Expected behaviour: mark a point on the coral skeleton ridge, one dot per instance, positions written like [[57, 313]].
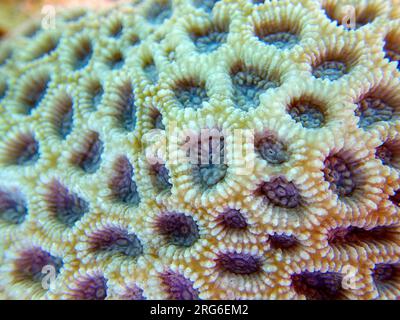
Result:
[[85, 214]]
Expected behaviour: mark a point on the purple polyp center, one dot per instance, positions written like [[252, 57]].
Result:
[[272, 150], [91, 289], [68, 207], [161, 177], [12, 207], [32, 263], [354, 234], [133, 293], [384, 272], [178, 229], [281, 193], [339, 175], [115, 240], [282, 241], [239, 263], [128, 108], [318, 285], [122, 183], [385, 154], [233, 219], [178, 287], [29, 151], [90, 160]]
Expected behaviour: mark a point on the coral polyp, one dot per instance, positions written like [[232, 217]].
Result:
[[186, 149]]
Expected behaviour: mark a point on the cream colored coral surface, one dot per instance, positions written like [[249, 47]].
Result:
[[311, 211]]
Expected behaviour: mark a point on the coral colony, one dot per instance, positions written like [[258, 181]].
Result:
[[191, 149]]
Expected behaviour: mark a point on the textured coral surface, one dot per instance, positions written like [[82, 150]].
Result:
[[311, 211]]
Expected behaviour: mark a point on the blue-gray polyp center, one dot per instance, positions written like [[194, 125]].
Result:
[[272, 150], [116, 240], [248, 85], [122, 184], [13, 207], [211, 162], [191, 94], [162, 177], [372, 110], [89, 160], [67, 206], [281, 40], [330, 70], [82, 55], [209, 42], [308, 114]]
